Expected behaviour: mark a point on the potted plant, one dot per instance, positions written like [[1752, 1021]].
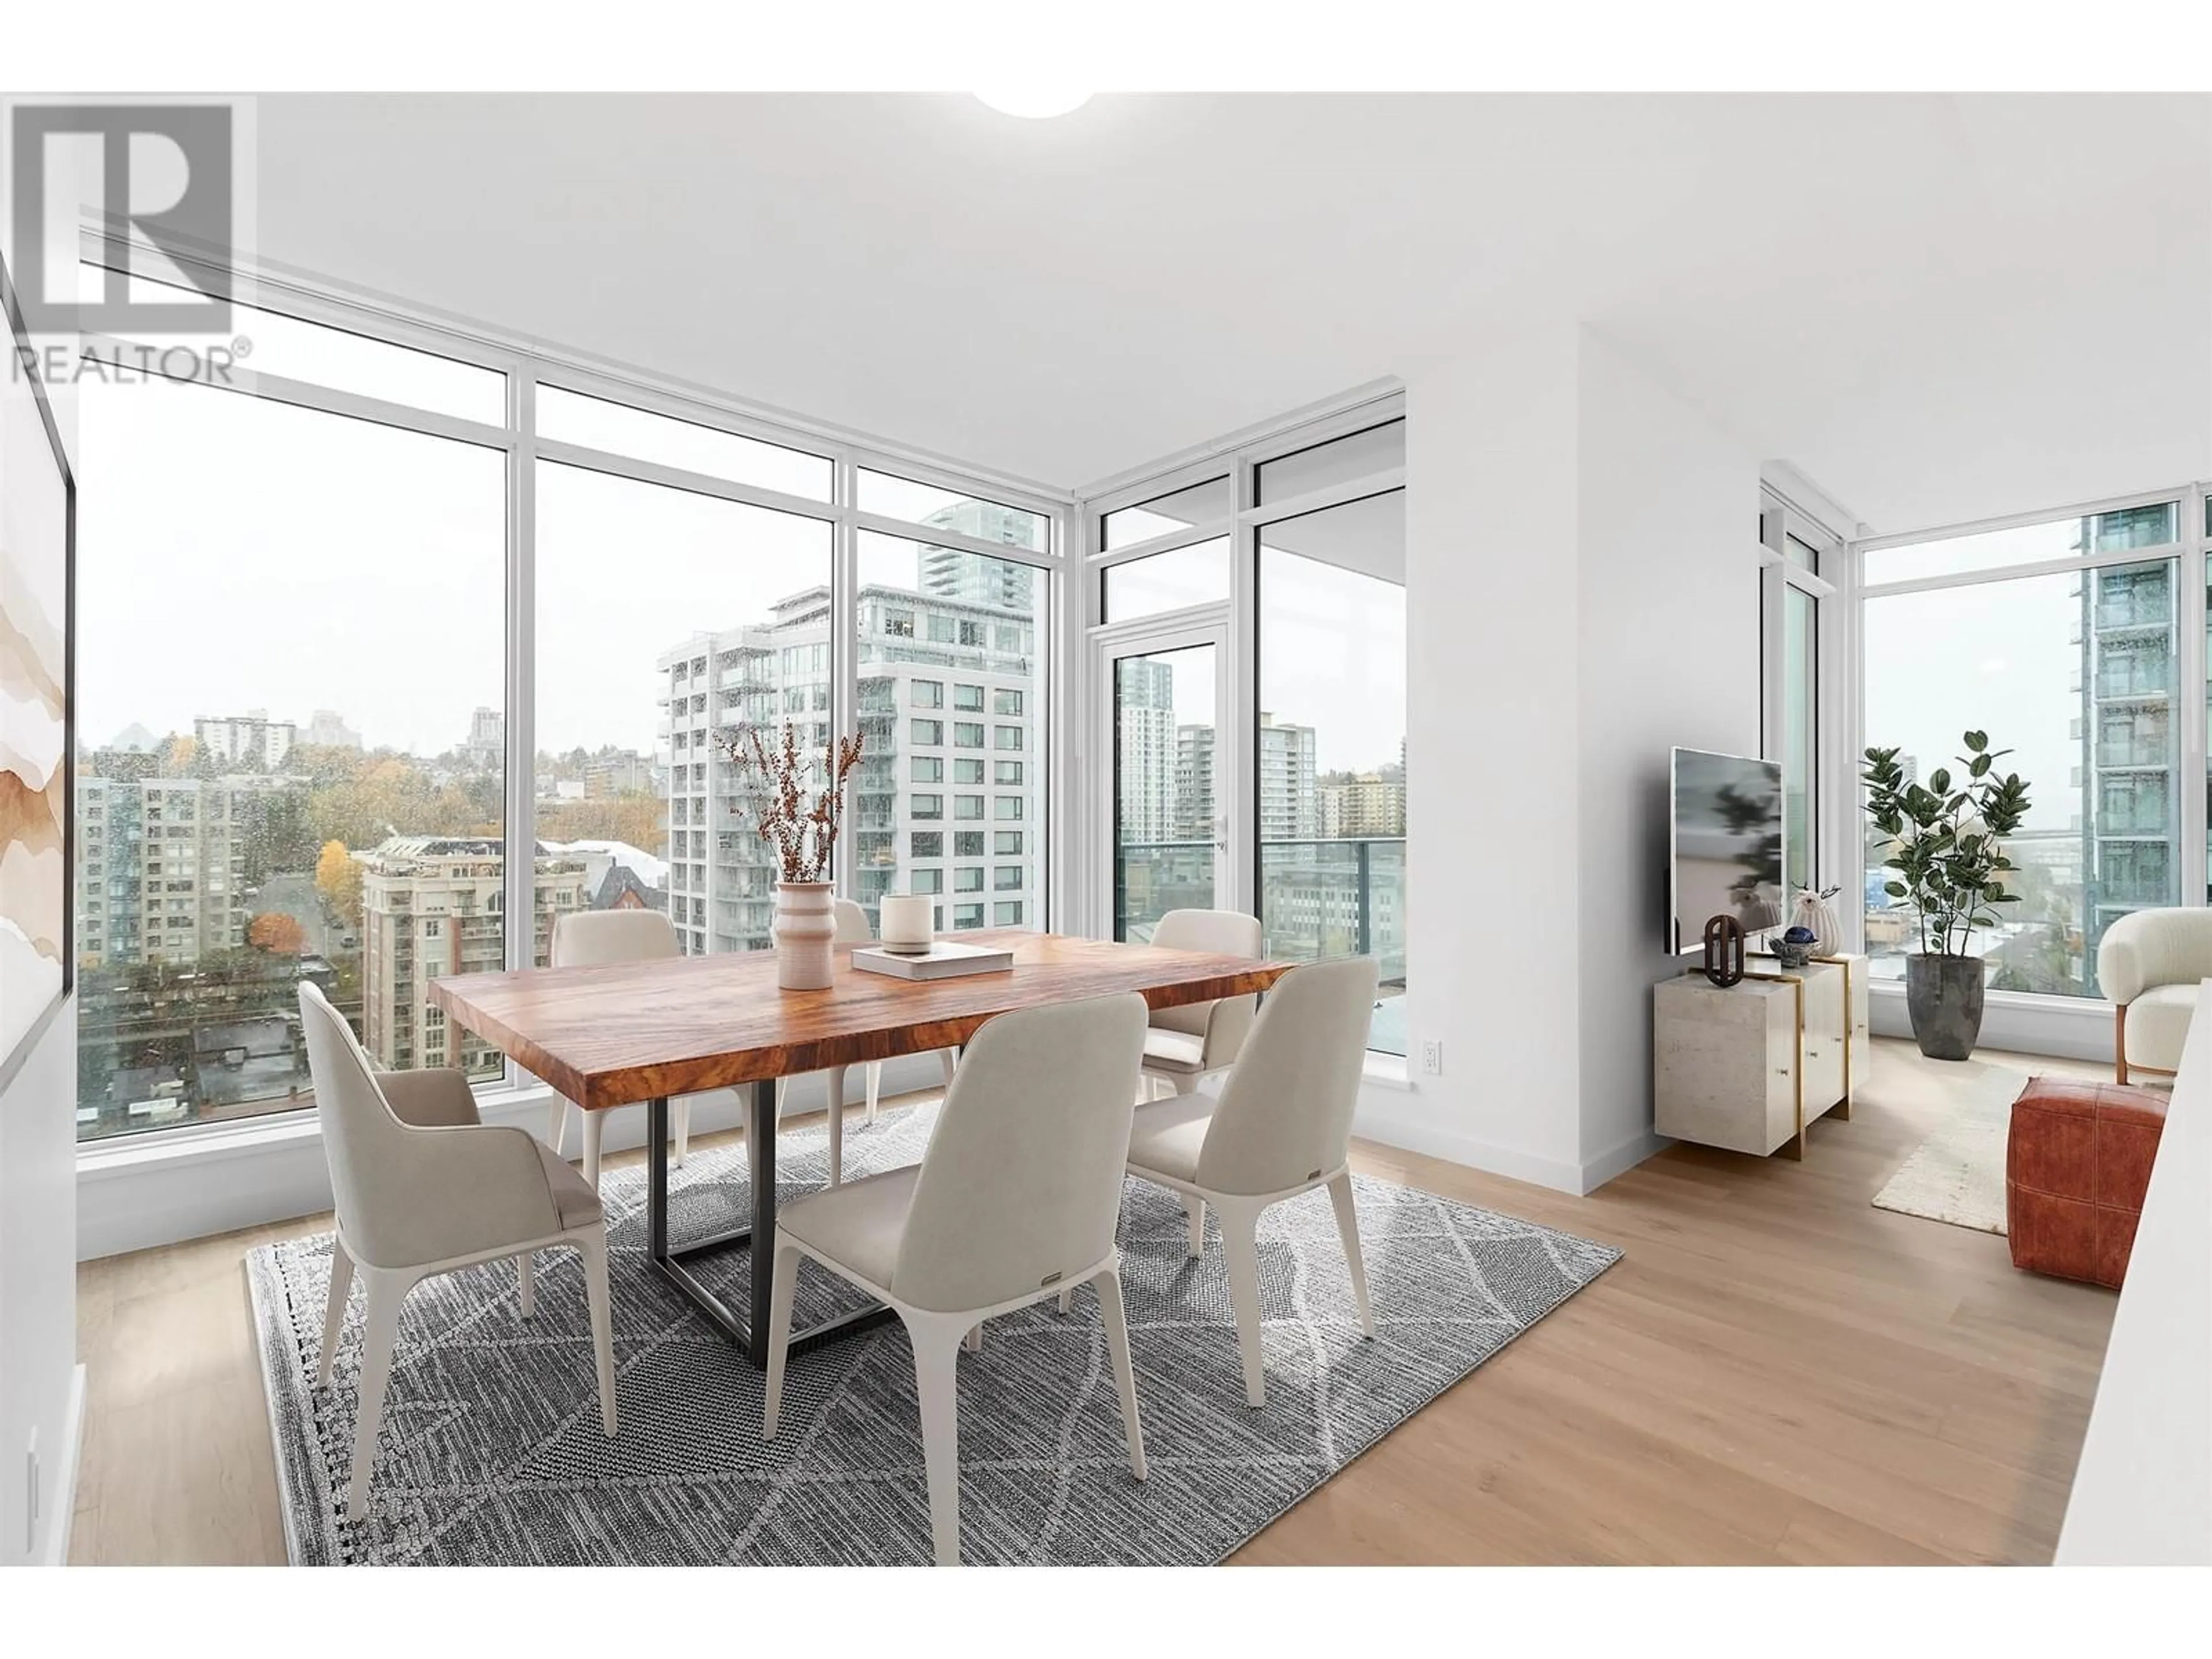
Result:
[[802, 828], [1944, 841]]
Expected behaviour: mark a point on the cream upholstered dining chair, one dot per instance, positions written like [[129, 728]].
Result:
[[424, 1188], [1280, 1127], [852, 929], [1183, 1045], [598, 938], [1016, 1194], [2149, 963]]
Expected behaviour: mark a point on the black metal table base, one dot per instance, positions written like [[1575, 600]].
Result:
[[747, 1331]]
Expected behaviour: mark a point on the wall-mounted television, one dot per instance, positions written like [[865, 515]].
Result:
[[1726, 845]]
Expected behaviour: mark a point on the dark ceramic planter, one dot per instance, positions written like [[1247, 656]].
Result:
[[1944, 996]]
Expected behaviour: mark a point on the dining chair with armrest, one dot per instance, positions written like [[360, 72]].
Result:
[[1018, 1193], [598, 938], [1185, 1044], [422, 1188], [1280, 1127]]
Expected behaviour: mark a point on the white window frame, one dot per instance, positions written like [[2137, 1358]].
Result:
[[2051, 1023], [525, 361], [1779, 521], [1239, 459]]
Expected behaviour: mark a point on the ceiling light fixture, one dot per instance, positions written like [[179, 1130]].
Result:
[[1036, 103]]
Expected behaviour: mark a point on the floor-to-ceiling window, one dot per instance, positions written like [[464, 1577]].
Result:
[[1249, 652], [2063, 638], [290, 637], [668, 619], [950, 798], [1330, 744], [404, 633], [1802, 560]]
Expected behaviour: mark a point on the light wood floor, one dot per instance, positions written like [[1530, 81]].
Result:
[[1776, 1372]]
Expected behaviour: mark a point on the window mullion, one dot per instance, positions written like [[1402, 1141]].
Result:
[[2193, 777], [845, 656], [520, 888]]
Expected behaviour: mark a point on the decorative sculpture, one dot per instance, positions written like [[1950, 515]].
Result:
[[1723, 962]]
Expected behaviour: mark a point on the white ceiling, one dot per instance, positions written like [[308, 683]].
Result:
[[1938, 307]]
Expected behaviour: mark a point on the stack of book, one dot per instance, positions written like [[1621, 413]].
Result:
[[942, 959]]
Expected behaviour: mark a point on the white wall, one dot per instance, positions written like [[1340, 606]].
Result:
[[41, 1391], [38, 1391], [1669, 654], [41, 1394], [1495, 925], [1573, 533]]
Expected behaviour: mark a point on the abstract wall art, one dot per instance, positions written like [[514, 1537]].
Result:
[[38, 516]]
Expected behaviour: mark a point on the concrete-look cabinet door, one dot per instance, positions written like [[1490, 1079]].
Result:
[[1727, 1061]]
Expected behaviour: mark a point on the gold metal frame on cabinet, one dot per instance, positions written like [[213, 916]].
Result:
[[1796, 1142], [1842, 1109]]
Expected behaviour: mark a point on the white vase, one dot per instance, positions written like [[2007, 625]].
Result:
[[1817, 917], [805, 925]]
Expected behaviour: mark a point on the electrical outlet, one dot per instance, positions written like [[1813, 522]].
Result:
[[1433, 1058]]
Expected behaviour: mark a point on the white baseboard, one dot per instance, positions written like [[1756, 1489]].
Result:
[[1393, 1117], [1396, 1120], [56, 1554], [138, 1196], [1596, 1171]]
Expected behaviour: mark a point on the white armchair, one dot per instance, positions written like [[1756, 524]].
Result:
[[2148, 965], [1184, 1044], [424, 1188], [1018, 1192]]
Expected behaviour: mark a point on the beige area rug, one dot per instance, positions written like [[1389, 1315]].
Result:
[[1957, 1174]]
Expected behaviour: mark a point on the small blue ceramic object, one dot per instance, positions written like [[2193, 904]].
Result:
[[1793, 950]]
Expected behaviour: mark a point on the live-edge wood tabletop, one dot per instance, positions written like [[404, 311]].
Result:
[[630, 1032]]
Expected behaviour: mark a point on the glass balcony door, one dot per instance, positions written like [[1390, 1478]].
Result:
[[1163, 697]]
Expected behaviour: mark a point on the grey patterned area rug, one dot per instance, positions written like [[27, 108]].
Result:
[[491, 1450]]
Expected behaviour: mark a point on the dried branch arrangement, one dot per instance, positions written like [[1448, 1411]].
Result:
[[804, 834]]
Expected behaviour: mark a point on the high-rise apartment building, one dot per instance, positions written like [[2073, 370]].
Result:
[[1290, 784], [326, 728], [1146, 744], [616, 772], [485, 746], [2130, 809], [954, 572], [433, 906], [1193, 783], [160, 872], [249, 739], [949, 796], [1370, 805]]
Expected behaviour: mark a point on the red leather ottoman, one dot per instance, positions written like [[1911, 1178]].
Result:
[[2076, 1163]]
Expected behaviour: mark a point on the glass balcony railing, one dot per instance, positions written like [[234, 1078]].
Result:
[[1345, 896], [1318, 898], [2133, 752], [1151, 877]]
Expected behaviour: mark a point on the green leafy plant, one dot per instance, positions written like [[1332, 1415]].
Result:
[[1945, 841]]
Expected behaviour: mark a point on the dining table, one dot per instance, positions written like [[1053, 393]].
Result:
[[620, 1034]]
